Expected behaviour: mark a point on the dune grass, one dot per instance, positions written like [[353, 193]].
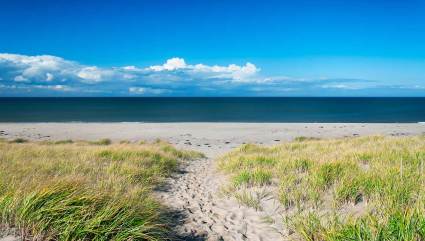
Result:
[[18, 140], [69, 190], [101, 142], [365, 188]]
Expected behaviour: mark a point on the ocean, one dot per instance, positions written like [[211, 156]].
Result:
[[226, 109]]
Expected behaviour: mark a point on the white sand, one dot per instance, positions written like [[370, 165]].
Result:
[[195, 191], [210, 138]]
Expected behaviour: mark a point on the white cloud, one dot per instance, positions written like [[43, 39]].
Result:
[[20, 78], [146, 91], [49, 77], [174, 77], [233, 72], [39, 68], [47, 87], [171, 64], [90, 74], [54, 87], [340, 86], [131, 67], [46, 68]]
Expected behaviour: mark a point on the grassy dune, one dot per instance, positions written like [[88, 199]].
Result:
[[69, 190], [366, 188]]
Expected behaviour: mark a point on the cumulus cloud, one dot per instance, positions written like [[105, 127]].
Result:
[[171, 64], [174, 76], [232, 72], [43, 68], [52, 75]]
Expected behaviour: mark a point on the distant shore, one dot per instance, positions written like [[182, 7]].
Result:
[[210, 138]]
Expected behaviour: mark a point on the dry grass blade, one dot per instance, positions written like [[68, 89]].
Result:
[[367, 188], [69, 190]]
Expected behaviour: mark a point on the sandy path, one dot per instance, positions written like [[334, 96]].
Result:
[[207, 214]]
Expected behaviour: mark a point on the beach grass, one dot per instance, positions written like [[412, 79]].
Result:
[[18, 140], [98, 190], [364, 188]]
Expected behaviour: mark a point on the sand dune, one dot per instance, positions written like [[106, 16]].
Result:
[[195, 193]]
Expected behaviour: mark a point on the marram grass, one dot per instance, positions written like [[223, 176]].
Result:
[[69, 190], [366, 188]]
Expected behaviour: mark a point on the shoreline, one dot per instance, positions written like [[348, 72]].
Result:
[[211, 138]]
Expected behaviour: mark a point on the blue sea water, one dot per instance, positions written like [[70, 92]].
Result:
[[346, 110]]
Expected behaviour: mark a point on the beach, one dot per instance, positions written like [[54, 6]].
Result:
[[212, 120], [212, 139], [196, 190]]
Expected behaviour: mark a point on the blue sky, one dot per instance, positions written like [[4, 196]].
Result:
[[212, 48]]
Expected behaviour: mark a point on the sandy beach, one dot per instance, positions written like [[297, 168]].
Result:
[[212, 120], [196, 190], [210, 138]]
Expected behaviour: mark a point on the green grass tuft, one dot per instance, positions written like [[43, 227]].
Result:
[[250, 178], [104, 142], [248, 199], [365, 188], [60, 142], [85, 191], [19, 140], [305, 138]]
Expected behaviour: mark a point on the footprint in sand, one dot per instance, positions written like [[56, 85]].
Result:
[[209, 216]]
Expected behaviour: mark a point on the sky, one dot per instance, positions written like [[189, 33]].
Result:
[[212, 48]]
